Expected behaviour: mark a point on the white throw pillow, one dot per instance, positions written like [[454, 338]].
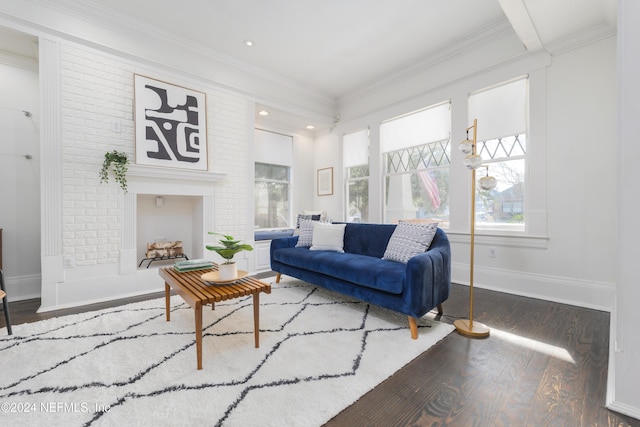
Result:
[[305, 237], [409, 240], [328, 237]]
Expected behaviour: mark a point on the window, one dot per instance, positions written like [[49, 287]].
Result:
[[271, 196], [416, 159], [356, 164], [272, 186], [502, 117]]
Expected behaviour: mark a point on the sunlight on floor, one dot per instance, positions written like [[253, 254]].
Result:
[[551, 350]]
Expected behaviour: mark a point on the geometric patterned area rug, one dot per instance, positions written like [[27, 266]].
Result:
[[319, 352]]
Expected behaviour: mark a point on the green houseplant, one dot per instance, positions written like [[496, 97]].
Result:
[[120, 163], [228, 247]]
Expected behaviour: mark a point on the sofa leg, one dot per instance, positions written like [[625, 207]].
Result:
[[413, 326], [278, 278], [440, 310]]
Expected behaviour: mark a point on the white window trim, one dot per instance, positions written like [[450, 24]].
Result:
[[536, 232], [502, 239], [536, 223]]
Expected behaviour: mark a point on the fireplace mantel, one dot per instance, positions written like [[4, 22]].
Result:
[[173, 174], [167, 181]]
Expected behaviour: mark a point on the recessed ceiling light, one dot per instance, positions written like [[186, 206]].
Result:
[[248, 42], [263, 112], [310, 127]]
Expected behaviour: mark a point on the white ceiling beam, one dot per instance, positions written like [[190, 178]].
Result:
[[516, 12]]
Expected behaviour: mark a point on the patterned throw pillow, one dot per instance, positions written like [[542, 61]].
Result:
[[409, 240], [305, 238], [296, 231], [300, 218]]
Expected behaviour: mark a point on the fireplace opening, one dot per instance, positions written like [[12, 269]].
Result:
[[164, 220]]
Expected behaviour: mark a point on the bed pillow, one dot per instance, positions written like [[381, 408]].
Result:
[[328, 237], [409, 240], [305, 236]]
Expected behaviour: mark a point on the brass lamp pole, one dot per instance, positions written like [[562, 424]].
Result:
[[473, 161]]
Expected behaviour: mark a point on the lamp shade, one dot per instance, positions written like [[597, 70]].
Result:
[[488, 183], [472, 161], [466, 146]]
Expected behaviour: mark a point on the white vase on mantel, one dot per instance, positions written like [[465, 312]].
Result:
[[228, 271]]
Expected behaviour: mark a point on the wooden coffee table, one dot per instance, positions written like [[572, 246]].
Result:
[[198, 293]]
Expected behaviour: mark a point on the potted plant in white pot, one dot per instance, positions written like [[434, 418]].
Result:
[[228, 247]]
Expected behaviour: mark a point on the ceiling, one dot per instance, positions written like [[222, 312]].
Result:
[[341, 47]]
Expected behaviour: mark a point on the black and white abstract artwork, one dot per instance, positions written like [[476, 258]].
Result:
[[171, 125]]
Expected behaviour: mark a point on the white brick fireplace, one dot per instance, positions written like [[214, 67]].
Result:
[[90, 245], [100, 281]]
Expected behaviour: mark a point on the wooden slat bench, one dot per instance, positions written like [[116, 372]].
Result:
[[198, 293]]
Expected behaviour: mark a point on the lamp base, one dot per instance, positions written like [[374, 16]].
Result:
[[479, 330]]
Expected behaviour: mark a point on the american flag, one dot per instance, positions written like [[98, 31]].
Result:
[[430, 185]]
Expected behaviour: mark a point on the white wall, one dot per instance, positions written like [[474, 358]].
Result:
[[20, 177], [569, 255], [581, 129], [328, 154], [624, 370], [302, 179]]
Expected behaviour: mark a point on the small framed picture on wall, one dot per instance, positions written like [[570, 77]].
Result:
[[171, 125], [325, 182]]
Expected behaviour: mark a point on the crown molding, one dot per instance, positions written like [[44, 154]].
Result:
[[19, 61], [581, 38], [131, 28], [88, 24], [487, 35]]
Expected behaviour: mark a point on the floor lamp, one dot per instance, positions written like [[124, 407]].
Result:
[[473, 161]]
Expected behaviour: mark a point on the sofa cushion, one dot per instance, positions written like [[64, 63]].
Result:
[[409, 240], [367, 239], [361, 270], [328, 237]]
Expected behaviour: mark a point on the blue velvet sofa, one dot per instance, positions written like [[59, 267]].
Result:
[[413, 289]]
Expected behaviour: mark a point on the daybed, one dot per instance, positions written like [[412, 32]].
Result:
[[413, 287]]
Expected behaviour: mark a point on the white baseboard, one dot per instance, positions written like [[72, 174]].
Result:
[[82, 289], [565, 290], [21, 288], [624, 409], [572, 291]]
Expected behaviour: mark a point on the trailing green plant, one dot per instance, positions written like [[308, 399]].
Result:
[[229, 246], [120, 162]]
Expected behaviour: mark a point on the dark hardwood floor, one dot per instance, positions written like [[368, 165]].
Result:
[[545, 364]]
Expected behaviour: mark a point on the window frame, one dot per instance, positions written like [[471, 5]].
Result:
[[287, 182], [348, 175], [482, 148], [432, 164]]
